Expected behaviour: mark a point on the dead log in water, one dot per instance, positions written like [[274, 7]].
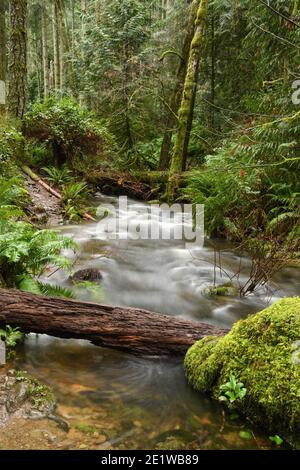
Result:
[[128, 329]]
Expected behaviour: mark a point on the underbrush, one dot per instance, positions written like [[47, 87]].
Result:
[[251, 193]]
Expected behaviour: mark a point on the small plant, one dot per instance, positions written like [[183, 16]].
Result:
[[11, 336], [232, 390], [58, 176], [71, 212], [74, 193], [276, 439], [246, 435], [29, 284], [40, 394], [21, 375]]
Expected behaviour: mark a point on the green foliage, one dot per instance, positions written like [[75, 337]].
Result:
[[246, 435], [276, 439], [57, 176], [28, 284], [75, 193], [41, 395], [92, 289], [12, 195], [144, 155], [232, 390], [70, 130], [11, 336], [21, 375], [11, 149], [252, 195], [25, 250], [74, 196], [38, 154], [85, 428]]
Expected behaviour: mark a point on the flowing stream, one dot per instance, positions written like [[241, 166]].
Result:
[[114, 400]]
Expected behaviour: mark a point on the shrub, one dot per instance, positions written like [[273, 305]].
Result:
[[70, 130], [11, 150], [251, 194], [25, 251]]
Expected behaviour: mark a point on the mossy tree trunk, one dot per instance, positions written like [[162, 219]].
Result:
[[171, 121], [2, 58], [17, 66], [187, 101]]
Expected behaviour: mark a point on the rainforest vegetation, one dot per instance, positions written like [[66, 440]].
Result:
[[165, 101]]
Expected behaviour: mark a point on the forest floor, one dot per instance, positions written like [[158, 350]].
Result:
[[44, 208]]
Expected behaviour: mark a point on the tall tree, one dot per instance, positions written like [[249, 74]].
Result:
[[66, 69], [45, 52], [2, 58], [188, 100], [56, 47], [177, 92], [17, 65], [97, 11]]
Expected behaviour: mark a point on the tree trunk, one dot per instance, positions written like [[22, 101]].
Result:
[[17, 66], [61, 57], [65, 46], [188, 100], [2, 59], [56, 61], [129, 329], [171, 121], [45, 53], [83, 16], [97, 11]]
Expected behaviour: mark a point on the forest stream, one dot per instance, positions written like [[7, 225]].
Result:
[[114, 400]]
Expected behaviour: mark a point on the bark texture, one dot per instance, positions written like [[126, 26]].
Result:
[[129, 329], [17, 66], [45, 54], [2, 52]]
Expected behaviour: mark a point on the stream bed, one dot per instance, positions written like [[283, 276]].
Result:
[[114, 400]]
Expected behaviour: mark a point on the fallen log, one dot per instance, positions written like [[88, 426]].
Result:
[[120, 184], [133, 330]]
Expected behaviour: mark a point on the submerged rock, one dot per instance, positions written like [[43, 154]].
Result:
[[261, 352], [89, 274]]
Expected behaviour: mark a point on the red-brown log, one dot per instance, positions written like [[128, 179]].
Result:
[[133, 330]]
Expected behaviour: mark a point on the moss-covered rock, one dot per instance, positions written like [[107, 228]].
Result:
[[263, 352]]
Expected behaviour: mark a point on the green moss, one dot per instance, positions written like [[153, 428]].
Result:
[[85, 428], [262, 352]]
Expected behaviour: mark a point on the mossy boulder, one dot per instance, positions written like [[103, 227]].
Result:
[[263, 352]]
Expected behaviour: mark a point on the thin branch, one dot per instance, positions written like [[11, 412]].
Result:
[[170, 52], [290, 20], [286, 41]]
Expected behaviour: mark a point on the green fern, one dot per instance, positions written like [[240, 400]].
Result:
[[57, 176]]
